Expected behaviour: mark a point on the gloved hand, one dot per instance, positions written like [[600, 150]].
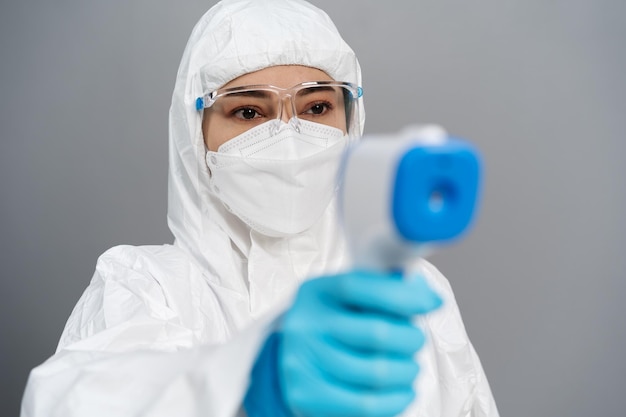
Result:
[[347, 345], [345, 348]]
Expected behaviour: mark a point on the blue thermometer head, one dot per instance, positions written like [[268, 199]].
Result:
[[436, 191]]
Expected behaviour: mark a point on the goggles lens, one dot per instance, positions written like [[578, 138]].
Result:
[[327, 102]]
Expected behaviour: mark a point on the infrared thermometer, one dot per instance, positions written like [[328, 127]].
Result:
[[402, 195]]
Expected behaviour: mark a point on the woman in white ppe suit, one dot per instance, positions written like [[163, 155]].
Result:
[[190, 329]]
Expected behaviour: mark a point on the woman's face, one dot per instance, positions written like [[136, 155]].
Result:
[[232, 115]]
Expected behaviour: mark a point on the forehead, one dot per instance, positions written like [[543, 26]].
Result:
[[284, 76]]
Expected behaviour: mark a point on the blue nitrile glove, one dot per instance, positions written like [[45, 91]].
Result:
[[346, 347], [263, 398]]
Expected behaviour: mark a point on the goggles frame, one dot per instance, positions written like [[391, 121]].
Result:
[[209, 99]]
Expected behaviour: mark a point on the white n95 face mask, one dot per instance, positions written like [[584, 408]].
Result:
[[279, 183]]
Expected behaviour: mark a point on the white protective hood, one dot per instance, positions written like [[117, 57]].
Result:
[[234, 38]]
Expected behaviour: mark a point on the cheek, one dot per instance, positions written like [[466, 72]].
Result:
[[214, 134], [205, 131], [341, 122]]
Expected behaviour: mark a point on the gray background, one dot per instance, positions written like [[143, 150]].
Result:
[[539, 85]]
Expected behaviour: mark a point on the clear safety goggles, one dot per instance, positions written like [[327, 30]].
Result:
[[330, 103]]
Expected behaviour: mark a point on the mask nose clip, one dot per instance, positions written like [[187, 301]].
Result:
[[294, 122], [275, 127], [278, 125], [286, 107]]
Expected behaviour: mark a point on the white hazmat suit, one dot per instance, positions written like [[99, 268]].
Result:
[[175, 329]]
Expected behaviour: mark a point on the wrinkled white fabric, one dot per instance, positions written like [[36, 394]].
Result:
[[174, 329]]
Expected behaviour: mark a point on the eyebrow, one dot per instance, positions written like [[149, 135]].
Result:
[[311, 90], [260, 93], [249, 93]]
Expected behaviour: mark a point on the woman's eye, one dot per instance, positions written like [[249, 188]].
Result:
[[247, 113], [318, 108]]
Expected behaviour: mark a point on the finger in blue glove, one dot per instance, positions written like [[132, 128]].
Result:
[[347, 345]]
